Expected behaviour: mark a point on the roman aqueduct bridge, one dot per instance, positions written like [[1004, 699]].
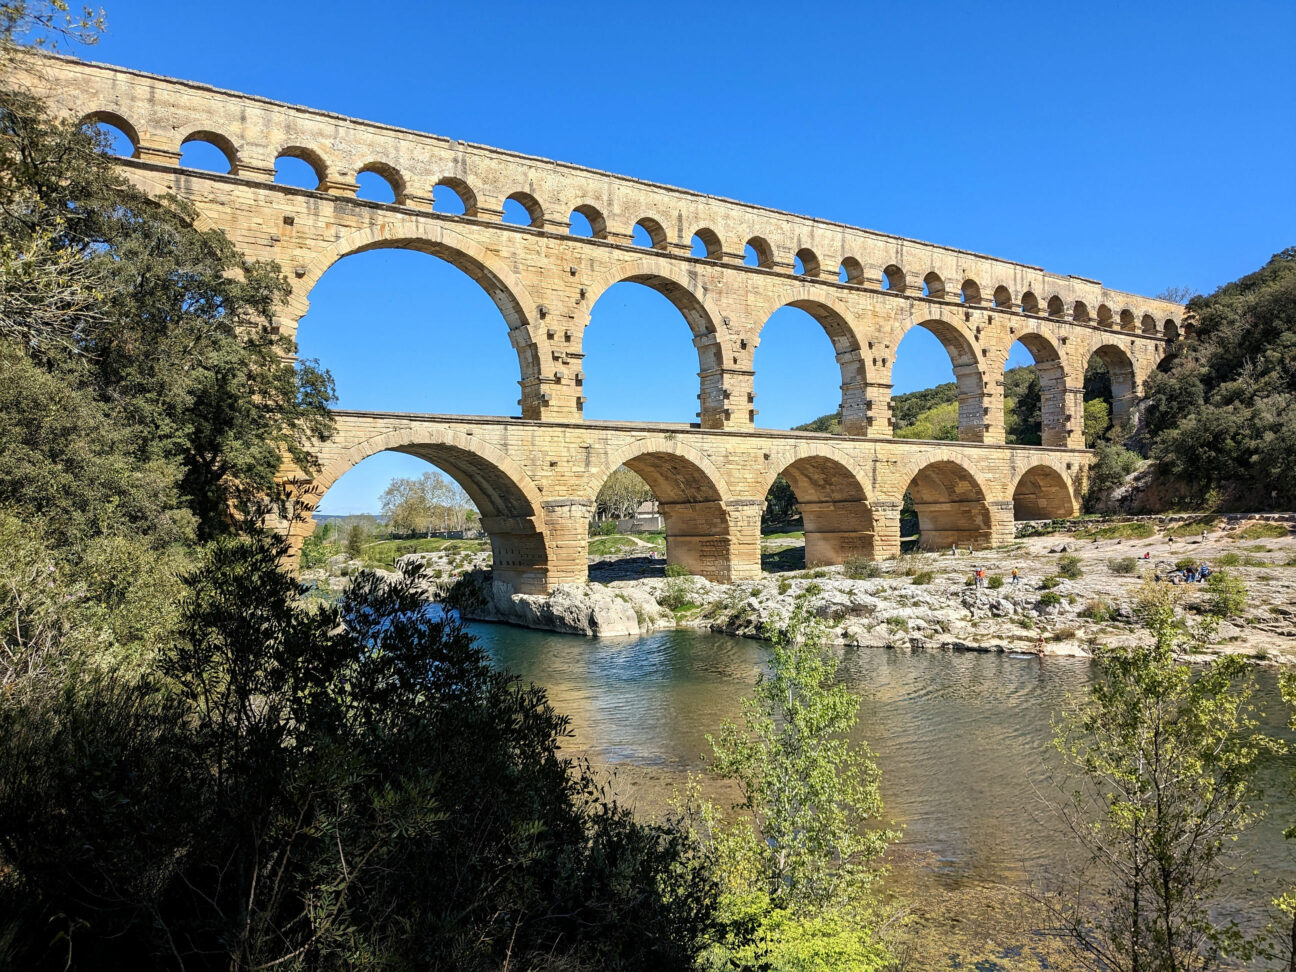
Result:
[[534, 478]]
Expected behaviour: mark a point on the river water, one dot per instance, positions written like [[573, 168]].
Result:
[[963, 741]]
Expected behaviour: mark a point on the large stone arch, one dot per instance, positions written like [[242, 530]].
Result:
[[952, 497], [847, 346], [1051, 371], [1043, 492], [961, 346], [693, 497], [834, 502], [493, 275], [1125, 379], [512, 513]]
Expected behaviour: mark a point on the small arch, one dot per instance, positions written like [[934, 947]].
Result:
[[1171, 330], [209, 151], [706, 245], [950, 505], [1055, 306], [291, 174], [1002, 296], [851, 271], [1042, 494], [835, 512], [649, 233], [970, 291], [1029, 303], [1149, 324], [385, 183], [758, 253], [1104, 316], [805, 263], [113, 132], [1080, 312], [525, 211], [933, 286], [588, 221], [1127, 320], [893, 278], [454, 198]]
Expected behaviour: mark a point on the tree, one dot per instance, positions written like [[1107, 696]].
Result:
[[622, 494], [1162, 759], [352, 785], [1097, 420], [806, 855], [426, 504], [1286, 903], [355, 540]]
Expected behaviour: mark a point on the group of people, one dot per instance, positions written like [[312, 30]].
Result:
[[979, 577]]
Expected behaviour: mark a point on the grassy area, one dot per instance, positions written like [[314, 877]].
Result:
[[791, 535], [383, 553], [602, 546], [1192, 528], [1263, 531], [1119, 531]]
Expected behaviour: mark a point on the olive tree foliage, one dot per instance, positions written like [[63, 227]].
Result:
[[1161, 759], [621, 494], [1286, 903], [425, 505]]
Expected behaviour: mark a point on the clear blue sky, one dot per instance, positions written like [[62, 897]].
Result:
[[1145, 145]]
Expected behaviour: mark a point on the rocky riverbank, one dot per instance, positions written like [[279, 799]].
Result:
[[927, 600]]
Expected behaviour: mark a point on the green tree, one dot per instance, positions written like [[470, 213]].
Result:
[[1111, 465], [801, 855], [356, 538], [1286, 903], [1162, 758], [622, 494], [1097, 420]]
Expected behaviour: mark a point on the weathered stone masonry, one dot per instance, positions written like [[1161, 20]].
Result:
[[535, 478]]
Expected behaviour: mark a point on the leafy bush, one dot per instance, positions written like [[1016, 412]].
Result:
[[677, 593], [1050, 598], [1186, 563], [861, 568], [1123, 565], [1228, 595], [1069, 567], [995, 581], [608, 528], [1262, 531], [1230, 559], [897, 623], [1111, 465], [676, 570], [1118, 531], [1097, 609], [924, 577], [784, 585], [1048, 583]]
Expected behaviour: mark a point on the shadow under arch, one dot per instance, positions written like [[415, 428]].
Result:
[[505, 290], [512, 513], [1042, 493], [692, 496], [835, 509], [966, 365], [951, 504], [848, 350]]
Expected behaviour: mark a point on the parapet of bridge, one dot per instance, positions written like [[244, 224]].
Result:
[[865, 288]]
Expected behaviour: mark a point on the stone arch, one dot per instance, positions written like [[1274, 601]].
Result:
[[712, 248], [830, 492], [762, 250], [970, 291], [692, 496], [390, 175], [849, 352], [1029, 303], [1148, 325], [221, 142], [467, 198], [1051, 372], [1002, 296], [1171, 330], [893, 278], [809, 262], [1080, 312], [851, 271], [311, 157], [1055, 306], [1042, 493], [934, 286], [530, 205], [950, 500], [1104, 316], [507, 292], [961, 348], [1124, 382], [597, 221], [657, 238], [1127, 320], [509, 502], [117, 122]]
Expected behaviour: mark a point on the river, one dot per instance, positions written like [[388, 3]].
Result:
[[963, 741]]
